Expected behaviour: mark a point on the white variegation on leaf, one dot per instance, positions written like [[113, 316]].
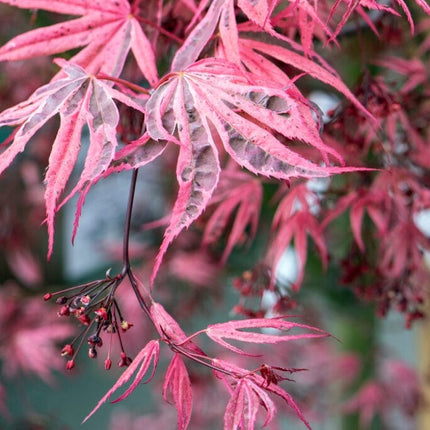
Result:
[[213, 100]]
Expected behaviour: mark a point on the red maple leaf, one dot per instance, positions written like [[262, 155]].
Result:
[[232, 330], [238, 195], [294, 220]]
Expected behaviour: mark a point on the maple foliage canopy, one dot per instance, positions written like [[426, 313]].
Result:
[[208, 101], [216, 85]]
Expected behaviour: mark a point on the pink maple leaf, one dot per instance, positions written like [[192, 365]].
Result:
[[146, 358], [170, 330], [79, 99], [108, 29], [221, 14], [396, 388], [245, 401], [252, 395], [254, 52], [306, 17], [234, 330], [370, 400], [213, 100], [402, 249], [177, 383], [413, 70]]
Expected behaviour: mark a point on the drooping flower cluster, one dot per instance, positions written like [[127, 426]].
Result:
[[95, 307]]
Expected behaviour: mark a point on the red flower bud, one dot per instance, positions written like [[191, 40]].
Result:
[[108, 363], [95, 340], [67, 350], [84, 319], [85, 300], [64, 311], [47, 296], [70, 364], [61, 300]]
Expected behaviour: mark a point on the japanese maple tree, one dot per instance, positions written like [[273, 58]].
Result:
[[218, 93]]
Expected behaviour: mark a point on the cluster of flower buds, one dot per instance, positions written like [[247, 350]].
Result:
[[404, 293], [253, 286], [95, 307]]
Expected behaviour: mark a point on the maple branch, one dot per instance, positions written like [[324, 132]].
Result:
[[126, 269], [160, 29], [177, 348], [120, 81], [127, 226]]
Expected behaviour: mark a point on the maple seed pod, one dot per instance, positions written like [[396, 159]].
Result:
[[67, 350], [70, 364], [47, 297]]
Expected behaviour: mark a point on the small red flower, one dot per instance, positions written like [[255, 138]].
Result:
[[84, 319], [64, 311], [102, 313], [67, 350]]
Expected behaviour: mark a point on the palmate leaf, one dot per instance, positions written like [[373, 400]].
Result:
[[255, 54], [375, 202], [147, 358], [245, 401], [212, 100], [177, 384], [79, 99], [221, 14], [107, 30], [295, 219], [237, 410], [232, 330], [238, 196]]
